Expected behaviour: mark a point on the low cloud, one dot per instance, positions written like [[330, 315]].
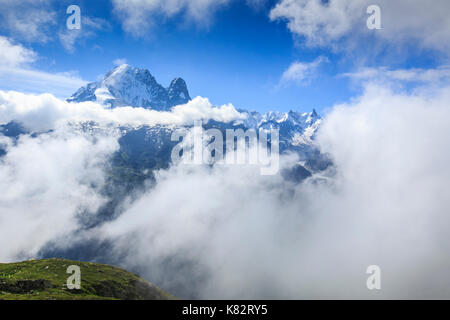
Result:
[[44, 112], [242, 235], [47, 182]]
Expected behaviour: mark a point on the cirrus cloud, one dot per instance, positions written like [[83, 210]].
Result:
[[435, 76], [16, 72]]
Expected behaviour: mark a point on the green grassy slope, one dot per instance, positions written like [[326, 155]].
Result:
[[46, 280]]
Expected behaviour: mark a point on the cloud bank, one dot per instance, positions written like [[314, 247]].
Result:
[[240, 235], [45, 112], [47, 182]]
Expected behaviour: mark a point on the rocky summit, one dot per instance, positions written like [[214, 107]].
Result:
[[129, 86]]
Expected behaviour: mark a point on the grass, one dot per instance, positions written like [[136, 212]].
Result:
[[47, 280]]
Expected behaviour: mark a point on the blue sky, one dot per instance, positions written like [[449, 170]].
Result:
[[236, 54]]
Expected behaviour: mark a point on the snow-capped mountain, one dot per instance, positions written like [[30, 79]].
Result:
[[129, 86], [144, 149], [149, 147], [298, 128]]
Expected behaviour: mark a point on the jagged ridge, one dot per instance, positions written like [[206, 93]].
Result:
[[130, 86]]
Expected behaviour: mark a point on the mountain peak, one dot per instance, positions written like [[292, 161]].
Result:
[[120, 68], [126, 85], [178, 92]]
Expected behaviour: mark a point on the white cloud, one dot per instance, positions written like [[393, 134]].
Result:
[[44, 112], [317, 21], [137, 16], [46, 183], [302, 72], [14, 55], [403, 21]]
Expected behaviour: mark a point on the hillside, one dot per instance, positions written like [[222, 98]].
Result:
[[46, 280]]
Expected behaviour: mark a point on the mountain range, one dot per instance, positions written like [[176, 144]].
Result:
[[129, 86], [144, 149]]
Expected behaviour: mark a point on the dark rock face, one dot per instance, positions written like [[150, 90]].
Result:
[[178, 92], [296, 174], [12, 129]]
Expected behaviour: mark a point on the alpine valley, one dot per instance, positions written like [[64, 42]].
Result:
[[146, 149]]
